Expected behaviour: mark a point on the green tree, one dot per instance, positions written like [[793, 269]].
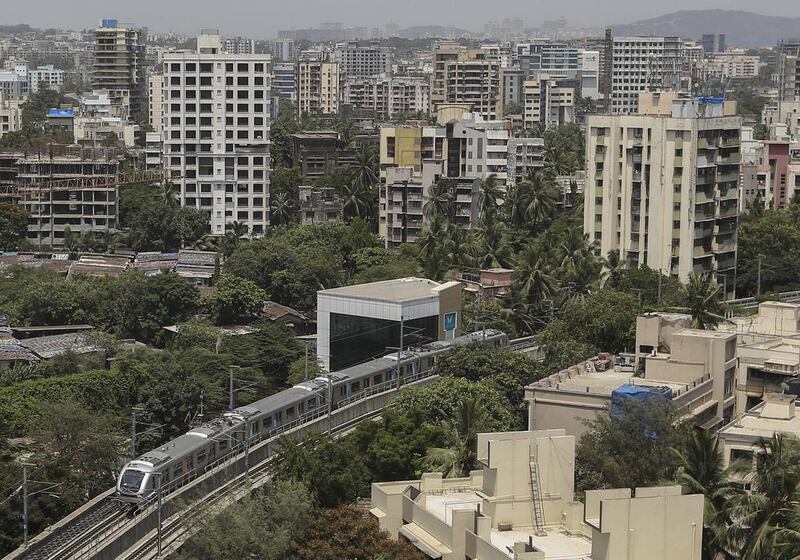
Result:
[[703, 301], [13, 226], [235, 300], [462, 456], [270, 525]]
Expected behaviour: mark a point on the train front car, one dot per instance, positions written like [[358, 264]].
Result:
[[136, 482]]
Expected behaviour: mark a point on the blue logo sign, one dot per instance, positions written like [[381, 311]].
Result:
[[450, 322]]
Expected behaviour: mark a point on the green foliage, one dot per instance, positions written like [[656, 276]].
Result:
[[196, 333], [630, 452], [235, 300], [643, 282], [267, 526], [330, 468], [776, 236], [13, 226], [34, 134]]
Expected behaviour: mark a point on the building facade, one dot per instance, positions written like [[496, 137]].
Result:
[[547, 104], [362, 61], [662, 186], [216, 133], [318, 89], [119, 64], [466, 77], [155, 87]]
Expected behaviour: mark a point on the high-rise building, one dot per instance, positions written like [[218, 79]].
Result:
[[216, 132], [119, 64], [662, 185], [318, 87], [789, 70], [642, 64], [547, 104], [46, 77], [713, 44], [239, 45], [466, 77], [284, 80], [283, 50], [362, 61], [388, 96], [10, 115], [155, 87]]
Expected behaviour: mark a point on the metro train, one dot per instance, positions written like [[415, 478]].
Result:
[[180, 460]]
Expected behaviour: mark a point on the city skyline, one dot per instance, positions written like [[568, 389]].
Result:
[[263, 20]]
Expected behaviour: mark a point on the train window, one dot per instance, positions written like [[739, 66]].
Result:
[[267, 422], [301, 407], [279, 416], [312, 403], [177, 471], [289, 413], [355, 386], [223, 445], [201, 457], [377, 379]]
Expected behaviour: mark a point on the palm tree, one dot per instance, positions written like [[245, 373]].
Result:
[[560, 161], [541, 199], [532, 278], [357, 201], [170, 193], [462, 457], [613, 266], [439, 202], [703, 301], [491, 197], [701, 472], [282, 208], [207, 243], [366, 166], [765, 521], [432, 249], [457, 245], [756, 207], [491, 247], [237, 230]]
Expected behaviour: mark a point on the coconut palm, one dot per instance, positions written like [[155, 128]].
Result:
[[457, 245], [703, 301], [282, 208], [170, 193], [540, 201], [207, 243], [560, 161], [237, 229], [701, 472], [614, 266], [491, 197], [432, 252], [439, 202], [366, 167], [357, 200], [765, 520], [462, 457], [532, 278], [491, 247]]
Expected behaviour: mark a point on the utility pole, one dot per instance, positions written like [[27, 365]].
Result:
[[399, 353], [25, 504], [230, 386], [305, 363], [134, 410], [758, 292], [659, 285]]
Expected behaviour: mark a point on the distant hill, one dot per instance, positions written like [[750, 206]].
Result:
[[743, 29]]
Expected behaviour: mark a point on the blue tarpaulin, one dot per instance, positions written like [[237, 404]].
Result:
[[636, 393], [63, 113]]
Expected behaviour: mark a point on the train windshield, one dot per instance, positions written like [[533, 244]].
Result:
[[131, 480]]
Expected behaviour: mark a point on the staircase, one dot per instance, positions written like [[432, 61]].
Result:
[[536, 500]]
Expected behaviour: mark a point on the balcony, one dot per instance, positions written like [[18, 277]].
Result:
[[728, 141], [730, 159], [704, 143], [703, 196]]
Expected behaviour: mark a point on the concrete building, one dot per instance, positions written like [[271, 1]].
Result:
[[99, 104], [511, 80], [466, 77], [10, 115], [521, 505], [526, 156], [405, 193], [79, 209], [408, 94], [239, 45], [46, 77], [789, 70], [741, 439], [318, 89], [119, 64], [713, 43], [153, 151], [10, 84], [736, 65], [216, 132], [155, 86], [284, 80], [283, 50], [362, 61], [387, 97], [319, 205], [104, 131], [663, 185], [358, 323], [645, 63], [696, 369], [319, 152], [409, 146], [547, 105]]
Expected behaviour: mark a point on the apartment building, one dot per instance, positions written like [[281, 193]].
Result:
[[10, 115], [155, 88], [283, 50], [318, 86], [645, 63], [662, 186], [737, 65], [526, 156], [362, 61], [239, 45], [284, 80], [546, 103], [119, 64], [521, 505], [319, 205], [511, 80], [79, 209], [317, 153], [10, 84], [216, 132], [46, 77], [409, 146], [789, 70], [153, 151], [712, 43], [466, 78], [477, 148], [405, 193], [388, 96]]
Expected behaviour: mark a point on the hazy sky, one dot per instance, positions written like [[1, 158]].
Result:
[[261, 18]]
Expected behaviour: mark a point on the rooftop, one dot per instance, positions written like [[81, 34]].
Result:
[[394, 291], [760, 423]]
